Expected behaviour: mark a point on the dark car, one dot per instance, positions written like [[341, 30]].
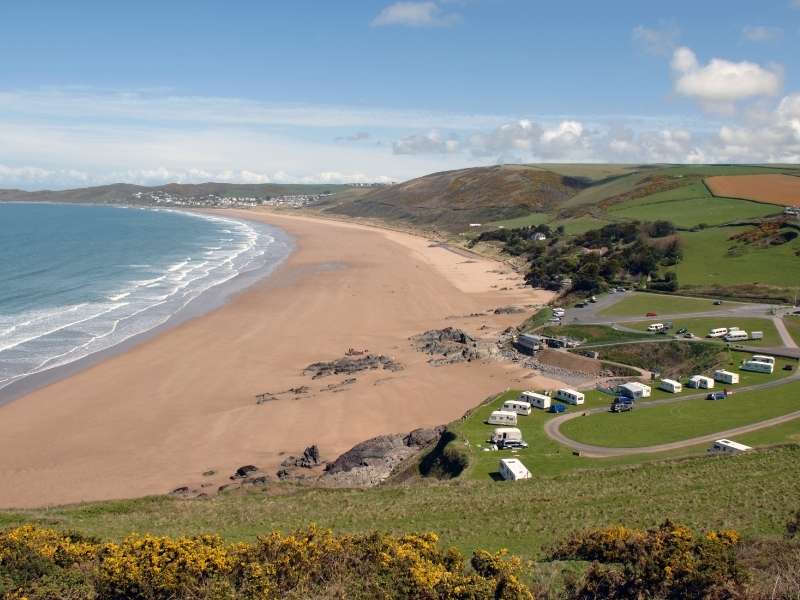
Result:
[[716, 396], [682, 330], [511, 445], [619, 407], [557, 408], [717, 302], [787, 367], [580, 305]]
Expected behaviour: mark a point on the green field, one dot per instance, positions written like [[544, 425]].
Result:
[[691, 211], [706, 261], [639, 304], [525, 221], [683, 420], [593, 334], [700, 326], [760, 491], [579, 225]]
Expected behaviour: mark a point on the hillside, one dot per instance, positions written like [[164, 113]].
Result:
[[125, 193], [452, 200]]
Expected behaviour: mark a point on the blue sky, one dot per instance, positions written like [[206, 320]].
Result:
[[94, 92]]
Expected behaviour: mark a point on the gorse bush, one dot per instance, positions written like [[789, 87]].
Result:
[[670, 561], [39, 564]]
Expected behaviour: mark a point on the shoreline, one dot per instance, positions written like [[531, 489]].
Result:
[[180, 403], [208, 300]]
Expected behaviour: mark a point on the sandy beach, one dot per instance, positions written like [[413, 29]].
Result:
[[184, 402]]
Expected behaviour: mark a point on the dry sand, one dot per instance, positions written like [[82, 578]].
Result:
[[159, 415]]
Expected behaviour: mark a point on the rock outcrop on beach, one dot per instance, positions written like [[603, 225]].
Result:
[[350, 364], [448, 345], [373, 461]]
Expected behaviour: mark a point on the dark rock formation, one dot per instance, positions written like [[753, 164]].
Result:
[[448, 345], [372, 461], [349, 365], [244, 471]]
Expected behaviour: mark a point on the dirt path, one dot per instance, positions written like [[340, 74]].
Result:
[[552, 427], [786, 337]]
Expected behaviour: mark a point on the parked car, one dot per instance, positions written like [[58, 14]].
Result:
[[580, 305], [512, 445], [619, 407], [717, 302], [787, 367], [682, 330], [557, 408], [593, 299], [688, 335], [716, 396], [651, 314]]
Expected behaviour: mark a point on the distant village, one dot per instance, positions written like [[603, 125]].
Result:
[[162, 198]]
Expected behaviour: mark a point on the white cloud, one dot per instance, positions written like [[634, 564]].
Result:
[[433, 142], [415, 14], [761, 33], [659, 41], [719, 84]]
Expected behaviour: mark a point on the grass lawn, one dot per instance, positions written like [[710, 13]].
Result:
[[593, 334], [525, 221], [700, 326], [792, 323], [706, 261], [639, 304], [579, 225], [753, 493], [683, 420]]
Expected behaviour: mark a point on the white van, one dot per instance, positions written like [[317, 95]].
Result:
[[506, 434], [764, 358], [569, 396], [517, 406], [718, 332], [502, 417], [536, 400], [559, 312], [758, 367], [655, 327], [735, 336]]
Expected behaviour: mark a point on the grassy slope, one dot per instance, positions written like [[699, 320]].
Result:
[[639, 304], [592, 334], [706, 261], [683, 420], [700, 326], [685, 209], [753, 493]]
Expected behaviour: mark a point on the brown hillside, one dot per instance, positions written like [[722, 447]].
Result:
[[453, 199]]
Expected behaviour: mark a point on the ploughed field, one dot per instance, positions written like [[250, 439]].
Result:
[[772, 188]]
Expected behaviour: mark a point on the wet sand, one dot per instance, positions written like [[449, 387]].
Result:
[[160, 414]]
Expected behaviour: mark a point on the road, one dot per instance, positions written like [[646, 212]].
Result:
[[552, 427]]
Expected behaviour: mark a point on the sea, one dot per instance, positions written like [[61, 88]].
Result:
[[77, 280]]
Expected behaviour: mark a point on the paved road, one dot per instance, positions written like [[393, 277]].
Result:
[[552, 427], [590, 314]]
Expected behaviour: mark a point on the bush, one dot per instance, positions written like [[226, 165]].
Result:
[[42, 564], [670, 561]]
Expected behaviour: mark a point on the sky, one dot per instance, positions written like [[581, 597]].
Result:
[[373, 90]]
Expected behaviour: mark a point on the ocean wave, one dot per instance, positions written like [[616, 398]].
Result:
[[38, 342]]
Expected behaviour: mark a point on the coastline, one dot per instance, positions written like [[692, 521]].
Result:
[[208, 300], [182, 402]]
